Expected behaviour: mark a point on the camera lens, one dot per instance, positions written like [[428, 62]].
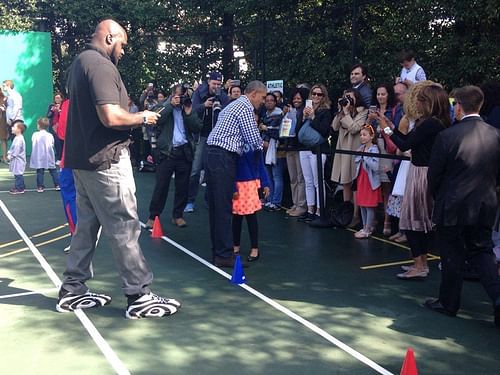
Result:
[[343, 102]]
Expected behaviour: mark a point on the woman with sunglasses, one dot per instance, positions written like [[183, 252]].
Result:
[[320, 116], [351, 116]]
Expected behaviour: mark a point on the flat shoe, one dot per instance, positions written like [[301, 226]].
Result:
[[435, 305], [253, 259], [412, 267], [180, 222], [412, 275]]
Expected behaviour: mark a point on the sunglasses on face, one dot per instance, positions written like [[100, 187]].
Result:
[[320, 94]]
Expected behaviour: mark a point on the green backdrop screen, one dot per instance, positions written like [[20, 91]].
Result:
[[27, 60]]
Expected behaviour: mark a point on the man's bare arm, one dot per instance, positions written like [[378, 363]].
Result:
[[115, 117]]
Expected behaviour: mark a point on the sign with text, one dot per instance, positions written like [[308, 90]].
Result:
[[275, 86]]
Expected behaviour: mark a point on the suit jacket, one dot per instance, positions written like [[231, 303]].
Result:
[[366, 94], [463, 172]]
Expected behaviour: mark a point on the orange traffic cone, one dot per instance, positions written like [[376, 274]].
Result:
[[409, 364], [157, 231]]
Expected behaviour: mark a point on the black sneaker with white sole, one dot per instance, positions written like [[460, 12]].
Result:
[[69, 302], [151, 306]]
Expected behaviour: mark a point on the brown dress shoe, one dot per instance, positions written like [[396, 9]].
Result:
[[149, 224], [180, 222]]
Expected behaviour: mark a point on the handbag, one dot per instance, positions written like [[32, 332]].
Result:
[[310, 137], [400, 183]]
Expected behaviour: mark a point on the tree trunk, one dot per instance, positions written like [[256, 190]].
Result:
[[228, 41]]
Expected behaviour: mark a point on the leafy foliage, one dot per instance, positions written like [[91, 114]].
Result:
[[456, 41]]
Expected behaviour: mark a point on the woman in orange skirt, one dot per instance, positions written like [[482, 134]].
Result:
[[250, 177]]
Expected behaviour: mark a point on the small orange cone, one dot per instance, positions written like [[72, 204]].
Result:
[[409, 364], [157, 231]]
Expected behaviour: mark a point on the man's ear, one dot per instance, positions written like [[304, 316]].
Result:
[[109, 39]]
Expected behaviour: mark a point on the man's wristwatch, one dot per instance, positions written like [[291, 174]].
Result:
[[144, 120], [388, 131]]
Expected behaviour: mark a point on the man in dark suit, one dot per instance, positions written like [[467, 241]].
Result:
[[463, 173], [358, 78]]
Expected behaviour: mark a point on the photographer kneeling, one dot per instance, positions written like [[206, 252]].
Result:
[[174, 154]]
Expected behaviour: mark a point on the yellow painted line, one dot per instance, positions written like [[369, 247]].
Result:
[[382, 265], [383, 240], [38, 244], [34, 236]]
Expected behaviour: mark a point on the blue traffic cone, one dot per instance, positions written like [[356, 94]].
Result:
[[238, 276]]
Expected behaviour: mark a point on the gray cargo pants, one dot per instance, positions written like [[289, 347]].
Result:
[[107, 198]]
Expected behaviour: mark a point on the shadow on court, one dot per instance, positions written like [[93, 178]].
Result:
[[221, 328]]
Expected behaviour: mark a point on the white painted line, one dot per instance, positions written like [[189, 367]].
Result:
[[42, 291], [360, 357], [30, 190], [103, 346]]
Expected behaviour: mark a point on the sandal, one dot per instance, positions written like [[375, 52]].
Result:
[[362, 234], [401, 239], [395, 236]]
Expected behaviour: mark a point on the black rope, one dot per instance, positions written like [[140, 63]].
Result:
[[383, 156]]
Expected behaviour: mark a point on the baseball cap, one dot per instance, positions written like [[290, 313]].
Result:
[[215, 76]]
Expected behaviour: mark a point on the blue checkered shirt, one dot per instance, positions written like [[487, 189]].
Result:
[[236, 129]]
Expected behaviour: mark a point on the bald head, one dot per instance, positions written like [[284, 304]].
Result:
[[110, 36]]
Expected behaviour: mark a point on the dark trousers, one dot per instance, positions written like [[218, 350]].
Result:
[[176, 162], [253, 229], [457, 244], [220, 171], [420, 242]]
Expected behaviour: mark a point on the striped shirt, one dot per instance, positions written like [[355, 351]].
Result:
[[236, 129]]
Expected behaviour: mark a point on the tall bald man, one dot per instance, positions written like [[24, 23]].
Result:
[[96, 148]]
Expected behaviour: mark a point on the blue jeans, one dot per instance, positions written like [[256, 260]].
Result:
[[39, 177], [194, 179], [275, 173], [19, 182]]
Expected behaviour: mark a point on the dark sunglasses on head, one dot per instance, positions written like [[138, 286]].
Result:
[[320, 94]]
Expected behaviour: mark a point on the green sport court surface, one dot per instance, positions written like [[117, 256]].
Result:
[[310, 305]]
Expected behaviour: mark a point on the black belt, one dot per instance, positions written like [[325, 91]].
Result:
[[221, 148], [179, 147]]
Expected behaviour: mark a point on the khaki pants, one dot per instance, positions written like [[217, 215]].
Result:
[[296, 179]]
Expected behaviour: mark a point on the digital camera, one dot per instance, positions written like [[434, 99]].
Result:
[[345, 101]]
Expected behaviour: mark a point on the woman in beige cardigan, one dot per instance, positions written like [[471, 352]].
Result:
[[348, 122]]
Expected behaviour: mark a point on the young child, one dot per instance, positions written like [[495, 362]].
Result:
[[250, 177], [42, 154], [17, 156], [369, 192]]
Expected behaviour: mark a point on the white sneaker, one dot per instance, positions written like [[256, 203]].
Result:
[[152, 306], [69, 302]]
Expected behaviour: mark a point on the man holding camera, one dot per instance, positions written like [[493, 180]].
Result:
[[208, 101], [174, 154]]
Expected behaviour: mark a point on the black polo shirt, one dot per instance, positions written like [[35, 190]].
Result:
[[93, 80]]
